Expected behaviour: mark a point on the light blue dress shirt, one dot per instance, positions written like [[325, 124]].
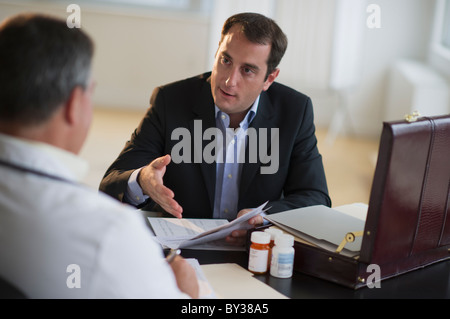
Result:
[[228, 170]]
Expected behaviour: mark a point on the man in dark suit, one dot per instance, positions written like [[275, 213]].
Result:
[[260, 134]]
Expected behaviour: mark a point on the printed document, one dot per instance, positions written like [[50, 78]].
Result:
[[183, 233]]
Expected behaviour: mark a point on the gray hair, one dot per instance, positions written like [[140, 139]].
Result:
[[41, 61]]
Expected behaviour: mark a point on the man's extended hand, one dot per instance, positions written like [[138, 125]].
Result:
[[151, 181], [238, 237]]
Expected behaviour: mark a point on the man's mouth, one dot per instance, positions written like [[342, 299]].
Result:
[[226, 93]]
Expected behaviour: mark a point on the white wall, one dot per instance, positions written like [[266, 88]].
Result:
[[136, 50], [405, 33], [315, 27], [139, 50]]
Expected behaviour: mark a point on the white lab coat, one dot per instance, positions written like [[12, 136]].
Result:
[[59, 239]]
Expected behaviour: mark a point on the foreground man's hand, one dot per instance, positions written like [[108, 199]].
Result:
[[186, 278], [151, 181]]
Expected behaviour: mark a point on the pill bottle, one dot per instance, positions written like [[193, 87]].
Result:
[[282, 264], [274, 232], [259, 252]]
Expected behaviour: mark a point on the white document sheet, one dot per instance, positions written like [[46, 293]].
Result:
[[231, 281], [181, 233]]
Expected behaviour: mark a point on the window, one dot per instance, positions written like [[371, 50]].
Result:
[[445, 39], [157, 3], [441, 33], [439, 55], [200, 6], [189, 5]]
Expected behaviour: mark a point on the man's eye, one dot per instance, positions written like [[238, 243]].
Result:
[[225, 60], [248, 71]]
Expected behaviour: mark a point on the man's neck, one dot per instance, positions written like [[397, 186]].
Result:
[[29, 132], [44, 133]]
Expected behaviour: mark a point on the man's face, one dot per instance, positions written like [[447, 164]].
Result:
[[239, 72]]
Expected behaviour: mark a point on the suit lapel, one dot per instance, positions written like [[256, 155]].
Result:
[[204, 111], [263, 119]]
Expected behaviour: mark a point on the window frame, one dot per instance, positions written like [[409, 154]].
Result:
[[442, 20]]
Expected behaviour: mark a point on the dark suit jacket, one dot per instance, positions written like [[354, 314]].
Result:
[[300, 180]]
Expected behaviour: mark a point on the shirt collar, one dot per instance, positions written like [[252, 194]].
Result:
[[77, 166], [247, 119]]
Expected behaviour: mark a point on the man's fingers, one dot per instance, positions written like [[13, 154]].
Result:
[[239, 233], [161, 162], [164, 192], [173, 208], [151, 181], [237, 237], [164, 197], [257, 220]]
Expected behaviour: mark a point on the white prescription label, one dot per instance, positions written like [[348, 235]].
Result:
[[258, 260]]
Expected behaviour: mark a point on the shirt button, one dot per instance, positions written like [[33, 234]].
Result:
[[233, 142], [230, 176], [225, 211], [138, 198], [223, 117]]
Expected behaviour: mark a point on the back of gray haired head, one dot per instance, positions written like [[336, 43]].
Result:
[[41, 62]]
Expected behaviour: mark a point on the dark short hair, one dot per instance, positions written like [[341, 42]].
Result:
[[41, 61], [262, 30]]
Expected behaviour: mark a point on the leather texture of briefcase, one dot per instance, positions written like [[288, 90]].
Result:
[[408, 222], [408, 219]]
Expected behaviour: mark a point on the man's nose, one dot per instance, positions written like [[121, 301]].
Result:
[[233, 77]]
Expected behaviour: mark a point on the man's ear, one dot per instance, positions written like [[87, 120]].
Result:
[[73, 106], [270, 79]]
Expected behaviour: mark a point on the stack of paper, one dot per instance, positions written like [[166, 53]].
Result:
[[231, 281], [321, 226], [199, 233]]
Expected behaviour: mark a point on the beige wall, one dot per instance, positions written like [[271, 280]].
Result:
[[136, 50]]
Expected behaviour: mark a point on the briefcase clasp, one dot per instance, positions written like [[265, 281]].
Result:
[[349, 238], [410, 118]]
